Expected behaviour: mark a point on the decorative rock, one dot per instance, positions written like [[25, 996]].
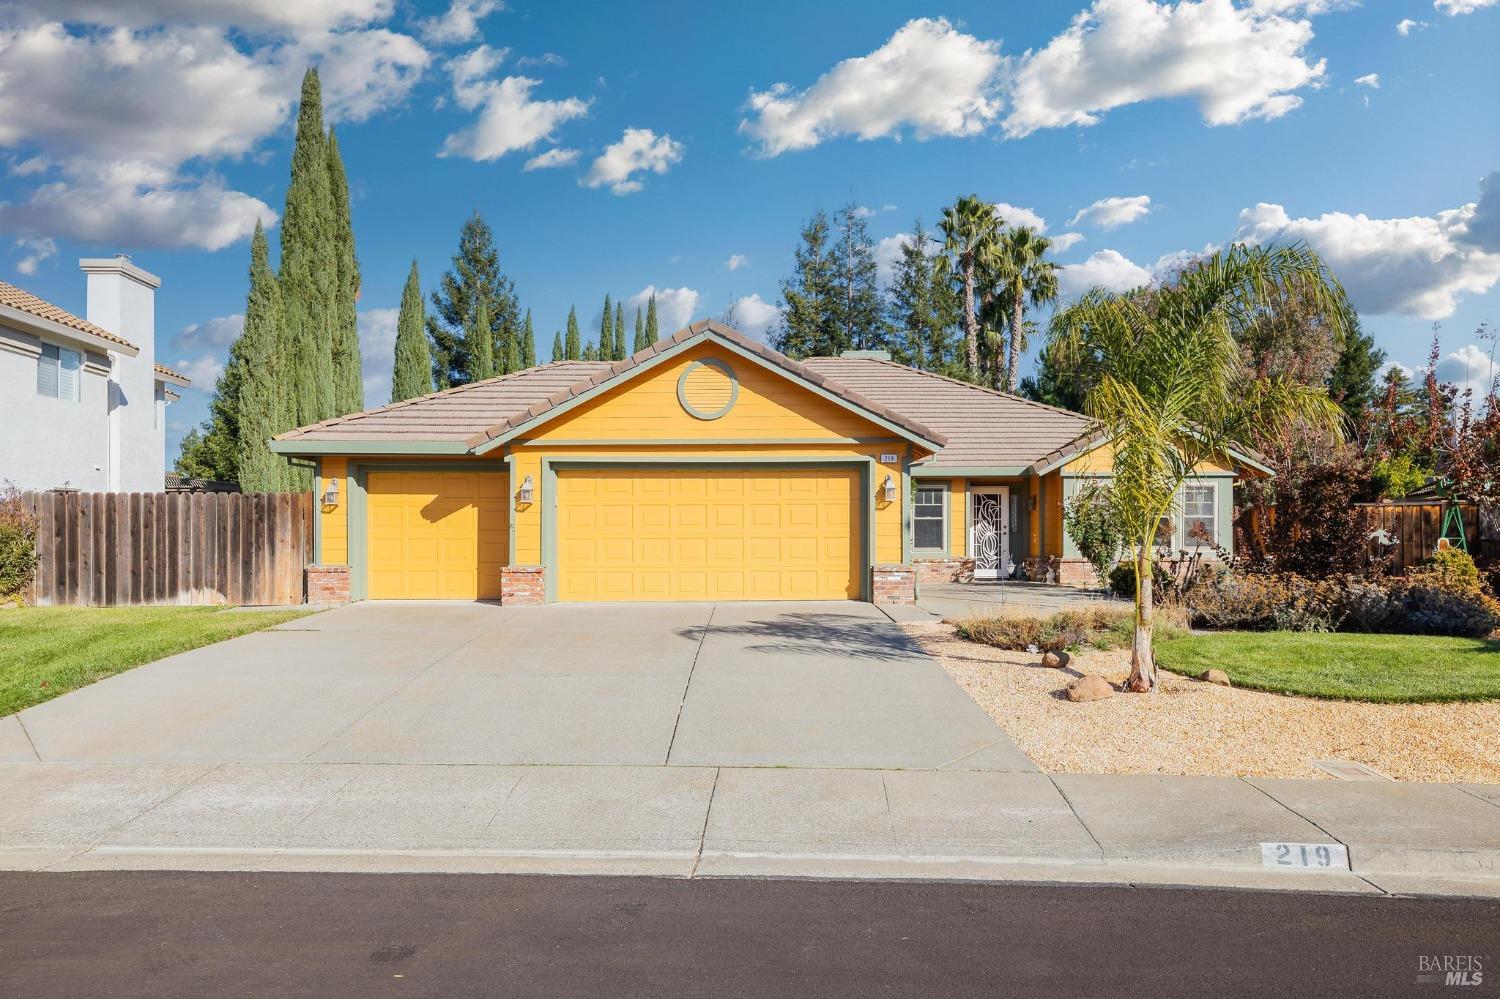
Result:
[[1215, 676], [1089, 688], [1056, 659]]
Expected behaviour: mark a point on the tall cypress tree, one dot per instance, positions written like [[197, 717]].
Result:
[[482, 339], [309, 268], [348, 385], [528, 343], [641, 343], [411, 374], [260, 369], [558, 354], [475, 274], [573, 346], [513, 361], [619, 353], [607, 330], [652, 334]]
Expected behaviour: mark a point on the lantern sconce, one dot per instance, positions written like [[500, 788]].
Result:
[[890, 489], [331, 493], [524, 494]]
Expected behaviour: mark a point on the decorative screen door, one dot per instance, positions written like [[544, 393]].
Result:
[[990, 541]]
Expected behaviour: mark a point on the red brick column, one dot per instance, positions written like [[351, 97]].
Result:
[[522, 584], [894, 583], [327, 584]]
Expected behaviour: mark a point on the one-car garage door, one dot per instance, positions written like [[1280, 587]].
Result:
[[699, 534], [436, 535]]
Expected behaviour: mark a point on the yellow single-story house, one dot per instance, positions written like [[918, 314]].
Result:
[[705, 467]]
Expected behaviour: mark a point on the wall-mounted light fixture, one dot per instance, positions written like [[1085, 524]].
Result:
[[890, 489], [331, 493], [524, 494]]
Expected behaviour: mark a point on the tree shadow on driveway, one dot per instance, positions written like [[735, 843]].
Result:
[[809, 633]]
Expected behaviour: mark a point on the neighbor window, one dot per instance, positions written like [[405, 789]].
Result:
[[1198, 513], [57, 372], [927, 525]]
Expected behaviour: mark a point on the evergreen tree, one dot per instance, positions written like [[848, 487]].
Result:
[[807, 326], [573, 346], [858, 318], [349, 385], [590, 352], [557, 347], [260, 370], [309, 268], [1352, 383], [1055, 384], [411, 374], [641, 343], [476, 275], [652, 333], [528, 343], [920, 307], [619, 350], [607, 331], [513, 361], [482, 360]]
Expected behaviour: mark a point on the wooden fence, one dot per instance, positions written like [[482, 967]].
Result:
[[171, 548], [1408, 532]]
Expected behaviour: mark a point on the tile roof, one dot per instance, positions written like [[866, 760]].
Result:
[[25, 301], [162, 369], [983, 427]]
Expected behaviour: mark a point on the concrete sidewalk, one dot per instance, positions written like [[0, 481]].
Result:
[[686, 821]]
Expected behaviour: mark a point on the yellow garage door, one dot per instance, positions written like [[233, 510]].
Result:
[[436, 535], [730, 534]]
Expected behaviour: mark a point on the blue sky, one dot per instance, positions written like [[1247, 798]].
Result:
[[693, 140]]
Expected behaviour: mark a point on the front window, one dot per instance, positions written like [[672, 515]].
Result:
[[1198, 515], [57, 372], [927, 518]]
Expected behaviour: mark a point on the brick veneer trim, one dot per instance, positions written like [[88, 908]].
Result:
[[944, 570], [523, 584], [893, 583], [327, 584]]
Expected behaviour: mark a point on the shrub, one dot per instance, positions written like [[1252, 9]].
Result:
[[1103, 627], [18, 528], [1433, 610], [1090, 520], [1449, 569], [1264, 602], [1122, 579]]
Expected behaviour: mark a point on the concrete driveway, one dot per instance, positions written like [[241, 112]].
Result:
[[732, 684]]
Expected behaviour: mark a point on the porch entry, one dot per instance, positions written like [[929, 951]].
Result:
[[989, 530]]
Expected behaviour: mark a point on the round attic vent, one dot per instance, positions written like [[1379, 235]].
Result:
[[708, 388]]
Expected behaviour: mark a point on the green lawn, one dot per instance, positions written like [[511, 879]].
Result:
[[1389, 668], [47, 651]]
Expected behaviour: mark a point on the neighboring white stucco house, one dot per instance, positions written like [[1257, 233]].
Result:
[[83, 401]]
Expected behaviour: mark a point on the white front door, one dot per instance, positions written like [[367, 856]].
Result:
[[989, 534]]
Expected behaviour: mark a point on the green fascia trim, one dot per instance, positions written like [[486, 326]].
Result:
[[326, 447], [968, 471], [704, 441], [359, 566], [914, 552], [666, 355], [548, 498]]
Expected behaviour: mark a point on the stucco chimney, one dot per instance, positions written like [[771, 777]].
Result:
[[122, 299]]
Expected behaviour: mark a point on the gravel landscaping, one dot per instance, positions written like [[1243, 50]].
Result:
[[1190, 727]]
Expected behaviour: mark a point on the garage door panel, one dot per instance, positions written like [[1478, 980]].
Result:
[[436, 535], [751, 534]]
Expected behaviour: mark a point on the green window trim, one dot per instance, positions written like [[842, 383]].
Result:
[[943, 503]]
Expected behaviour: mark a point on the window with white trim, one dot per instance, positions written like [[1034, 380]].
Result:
[[57, 370], [928, 522], [1199, 515]]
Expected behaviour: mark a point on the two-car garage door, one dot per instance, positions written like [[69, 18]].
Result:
[[708, 534]]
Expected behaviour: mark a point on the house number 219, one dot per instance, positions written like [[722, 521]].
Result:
[[1305, 856]]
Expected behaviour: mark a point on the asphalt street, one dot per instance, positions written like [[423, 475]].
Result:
[[165, 934]]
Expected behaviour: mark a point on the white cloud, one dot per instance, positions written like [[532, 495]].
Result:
[[736, 261], [1416, 266], [1236, 63], [509, 119], [929, 78], [887, 255], [1111, 213], [1065, 241], [132, 204], [1483, 229], [545, 59], [639, 150], [1469, 367], [866, 212], [1106, 269], [460, 23], [558, 157], [361, 72], [377, 352], [1371, 80], [1453, 7], [37, 249], [1018, 216], [1406, 26], [219, 332], [202, 372], [250, 15], [674, 306], [754, 316]]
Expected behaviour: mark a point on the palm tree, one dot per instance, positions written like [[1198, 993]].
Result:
[[1026, 275], [971, 232], [1173, 390]]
